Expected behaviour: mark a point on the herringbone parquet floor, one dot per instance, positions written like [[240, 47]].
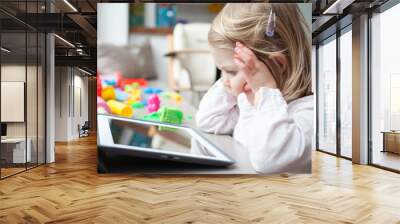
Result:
[[71, 191]]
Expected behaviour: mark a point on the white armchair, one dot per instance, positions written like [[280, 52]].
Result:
[[193, 68]]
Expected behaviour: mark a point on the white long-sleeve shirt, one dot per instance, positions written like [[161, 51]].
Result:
[[277, 135]]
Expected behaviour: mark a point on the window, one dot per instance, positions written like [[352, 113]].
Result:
[[22, 75], [346, 92], [327, 95], [385, 89]]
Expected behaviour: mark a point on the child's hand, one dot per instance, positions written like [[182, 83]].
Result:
[[255, 72], [249, 93]]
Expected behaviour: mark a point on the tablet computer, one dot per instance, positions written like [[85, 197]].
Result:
[[148, 139]]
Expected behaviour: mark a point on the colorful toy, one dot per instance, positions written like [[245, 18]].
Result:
[[132, 99], [176, 97], [144, 102], [137, 105], [114, 80], [136, 93], [148, 90], [128, 88], [101, 104], [120, 108], [142, 82], [155, 116], [99, 86], [108, 93], [152, 90], [166, 115], [135, 85], [121, 95], [152, 107], [109, 82], [171, 115], [132, 87], [153, 103], [134, 96], [172, 95], [153, 99], [157, 90]]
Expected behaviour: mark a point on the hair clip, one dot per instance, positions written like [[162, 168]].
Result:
[[271, 24]]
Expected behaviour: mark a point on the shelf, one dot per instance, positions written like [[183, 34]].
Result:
[[148, 30]]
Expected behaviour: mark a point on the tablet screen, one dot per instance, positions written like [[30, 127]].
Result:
[[156, 137]]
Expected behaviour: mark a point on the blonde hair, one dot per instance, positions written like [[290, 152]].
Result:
[[247, 23]]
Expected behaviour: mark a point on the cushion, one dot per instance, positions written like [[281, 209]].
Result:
[[133, 61]]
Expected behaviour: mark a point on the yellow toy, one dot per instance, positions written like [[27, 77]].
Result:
[[120, 108], [108, 93], [136, 92], [135, 85], [172, 95], [133, 99], [176, 97]]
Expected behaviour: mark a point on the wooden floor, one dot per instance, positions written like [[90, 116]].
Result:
[[71, 191], [10, 171]]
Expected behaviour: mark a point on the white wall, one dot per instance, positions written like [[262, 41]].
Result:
[[70, 83], [61, 103], [33, 126], [17, 73], [80, 100], [113, 23]]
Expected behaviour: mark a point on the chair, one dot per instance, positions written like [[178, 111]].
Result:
[[84, 129], [193, 68]]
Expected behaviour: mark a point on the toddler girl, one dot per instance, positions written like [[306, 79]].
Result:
[[264, 96]]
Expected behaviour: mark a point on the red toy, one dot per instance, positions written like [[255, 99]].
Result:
[[118, 79], [142, 82], [98, 85]]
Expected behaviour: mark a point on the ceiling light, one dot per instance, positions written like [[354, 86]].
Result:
[[5, 50], [84, 71], [338, 6], [64, 40], [70, 5]]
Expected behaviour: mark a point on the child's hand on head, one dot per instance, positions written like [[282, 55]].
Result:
[[255, 72]]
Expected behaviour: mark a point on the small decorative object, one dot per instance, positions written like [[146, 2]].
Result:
[[137, 105], [152, 90], [171, 115], [108, 93], [119, 108], [271, 24], [155, 116], [166, 15], [153, 103], [102, 106], [121, 95]]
